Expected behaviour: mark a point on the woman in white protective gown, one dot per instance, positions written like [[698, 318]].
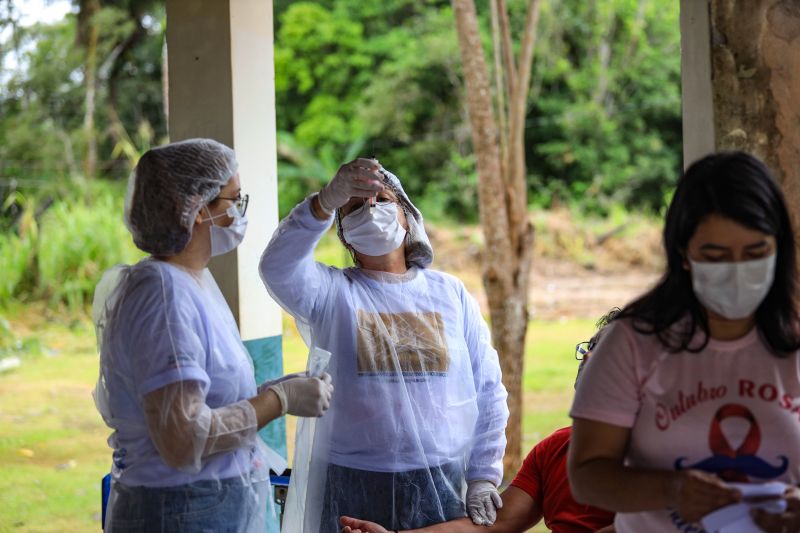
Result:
[[415, 435], [176, 383]]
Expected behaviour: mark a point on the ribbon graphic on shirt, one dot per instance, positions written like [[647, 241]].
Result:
[[735, 464]]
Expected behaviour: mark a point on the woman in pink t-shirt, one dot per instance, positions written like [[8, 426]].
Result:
[[696, 384]]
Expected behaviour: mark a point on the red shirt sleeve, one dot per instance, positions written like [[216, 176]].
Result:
[[543, 477], [529, 476]]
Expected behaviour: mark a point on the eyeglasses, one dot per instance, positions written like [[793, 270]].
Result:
[[240, 202], [582, 349]]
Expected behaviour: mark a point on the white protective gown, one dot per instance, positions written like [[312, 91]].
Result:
[[174, 379], [419, 407]]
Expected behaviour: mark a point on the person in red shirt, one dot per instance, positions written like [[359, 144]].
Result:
[[539, 491]]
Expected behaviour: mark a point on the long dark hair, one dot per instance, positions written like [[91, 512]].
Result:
[[737, 186]]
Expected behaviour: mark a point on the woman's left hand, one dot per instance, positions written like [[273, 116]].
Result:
[[786, 522]]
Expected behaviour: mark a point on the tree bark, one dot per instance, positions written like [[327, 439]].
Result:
[[88, 34], [756, 87], [500, 84], [117, 60], [502, 199]]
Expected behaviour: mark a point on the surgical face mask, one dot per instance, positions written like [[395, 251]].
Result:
[[226, 238], [374, 233], [733, 290]]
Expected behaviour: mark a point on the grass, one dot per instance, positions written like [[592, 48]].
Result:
[[53, 450]]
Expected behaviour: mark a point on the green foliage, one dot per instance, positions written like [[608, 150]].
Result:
[[61, 257], [320, 66], [16, 260], [603, 125], [40, 107], [43, 99], [382, 78], [606, 123], [80, 240], [301, 170]]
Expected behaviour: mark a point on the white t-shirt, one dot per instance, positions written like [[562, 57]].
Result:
[[732, 409], [417, 382], [170, 327]]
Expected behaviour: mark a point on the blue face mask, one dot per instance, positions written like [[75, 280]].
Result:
[[374, 232], [226, 238]]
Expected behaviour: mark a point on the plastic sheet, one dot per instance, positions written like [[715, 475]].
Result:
[[419, 408], [173, 386]]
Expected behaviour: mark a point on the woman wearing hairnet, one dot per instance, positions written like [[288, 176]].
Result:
[[176, 383], [421, 412]]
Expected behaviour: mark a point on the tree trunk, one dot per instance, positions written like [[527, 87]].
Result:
[[119, 133], [88, 34], [165, 83], [503, 204], [756, 89]]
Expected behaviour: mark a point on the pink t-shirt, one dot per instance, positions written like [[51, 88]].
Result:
[[732, 409]]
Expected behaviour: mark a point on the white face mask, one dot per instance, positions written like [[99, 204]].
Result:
[[226, 238], [376, 233], [733, 290]]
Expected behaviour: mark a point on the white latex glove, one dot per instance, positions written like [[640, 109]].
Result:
[[304, 396], [483, 502], [267, 384], [358, 178]]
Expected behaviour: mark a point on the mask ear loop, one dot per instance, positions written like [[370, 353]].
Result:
[[231, 212], [210, 216]]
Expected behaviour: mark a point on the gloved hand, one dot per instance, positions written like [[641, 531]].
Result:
[[358, 178], [267, 384], [483, 502], [304, 396]]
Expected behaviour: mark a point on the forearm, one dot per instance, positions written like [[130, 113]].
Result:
[[230, 430], [486, 458], [465, 525], [519, 513], [288, 268], [608, 484], [185, 430], [461, 525], [267, 407], [489, 438], [295, 239]]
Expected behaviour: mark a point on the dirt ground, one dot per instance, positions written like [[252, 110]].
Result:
[[559, 295], [581, 269]]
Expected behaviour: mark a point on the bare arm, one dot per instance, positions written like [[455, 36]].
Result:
[[519, 513], [599, 477], [288, 268]]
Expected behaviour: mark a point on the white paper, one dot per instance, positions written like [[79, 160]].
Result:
[[736, 518]]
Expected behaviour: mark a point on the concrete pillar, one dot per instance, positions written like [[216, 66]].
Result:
[[741, 83], [222, 86], [696, 91]]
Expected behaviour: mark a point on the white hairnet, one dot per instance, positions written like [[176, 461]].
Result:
[[169, 186]]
